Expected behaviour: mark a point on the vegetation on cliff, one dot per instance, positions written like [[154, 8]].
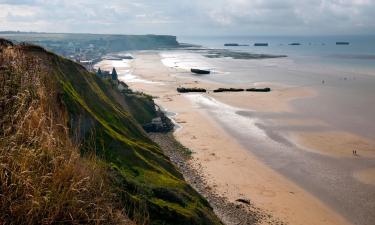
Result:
[[70, 152], [92, 46]]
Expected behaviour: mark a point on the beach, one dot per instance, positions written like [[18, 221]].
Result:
[[257, 146]]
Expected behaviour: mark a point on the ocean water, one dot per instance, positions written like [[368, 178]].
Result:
[[323, 49]]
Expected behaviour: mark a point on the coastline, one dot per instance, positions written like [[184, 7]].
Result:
[[239, 174], [233, 169], [241, 211], [267, 189]]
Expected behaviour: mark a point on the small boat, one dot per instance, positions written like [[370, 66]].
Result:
[[261, 44], [295, 43], [199, 71], [342, 43]]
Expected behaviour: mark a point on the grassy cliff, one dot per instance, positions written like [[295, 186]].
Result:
[[71, 151], [92, 46]]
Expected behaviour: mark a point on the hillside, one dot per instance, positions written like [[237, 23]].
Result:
[[72, 153], [91, 46]]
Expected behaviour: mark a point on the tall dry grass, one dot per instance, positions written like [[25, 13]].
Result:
[[43, 179]]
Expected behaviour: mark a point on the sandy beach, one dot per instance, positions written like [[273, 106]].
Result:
[[238, 167]]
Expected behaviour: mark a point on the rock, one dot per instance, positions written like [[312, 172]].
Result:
[[245, 201], [187, 90], [229, 90], [259, 89]]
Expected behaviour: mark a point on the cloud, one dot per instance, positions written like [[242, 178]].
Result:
[[190, 16]]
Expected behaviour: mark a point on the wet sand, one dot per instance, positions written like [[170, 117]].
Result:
[[366, 176], [274, 101], [335, 143], [235, 165], [320, 170], [235, 173]]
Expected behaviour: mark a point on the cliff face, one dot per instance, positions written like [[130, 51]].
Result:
[[84, 156]]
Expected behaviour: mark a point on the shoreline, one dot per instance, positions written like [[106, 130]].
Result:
[[267, 189], [242, 211], [240, 174]]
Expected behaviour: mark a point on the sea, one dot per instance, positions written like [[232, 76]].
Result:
[[322, 49]]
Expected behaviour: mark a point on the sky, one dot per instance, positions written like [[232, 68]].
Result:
[[191, 17]]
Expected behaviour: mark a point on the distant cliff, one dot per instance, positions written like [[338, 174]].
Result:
[[71, 150], [92, 46]]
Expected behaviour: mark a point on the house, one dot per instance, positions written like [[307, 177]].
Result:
[[102, 74], [114, 74]]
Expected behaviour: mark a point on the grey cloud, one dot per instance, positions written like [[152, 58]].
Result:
[[187, 16]]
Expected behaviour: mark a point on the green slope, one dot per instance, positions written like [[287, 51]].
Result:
[[150, 187]]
